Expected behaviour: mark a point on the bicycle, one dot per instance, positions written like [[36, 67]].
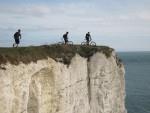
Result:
[[91, 43], [63, 42]]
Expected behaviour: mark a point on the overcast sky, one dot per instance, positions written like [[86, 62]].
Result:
[[121, 24]]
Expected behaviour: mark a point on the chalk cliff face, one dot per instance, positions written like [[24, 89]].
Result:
[[87, 85]]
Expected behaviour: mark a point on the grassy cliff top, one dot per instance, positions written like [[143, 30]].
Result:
[[34, 53]]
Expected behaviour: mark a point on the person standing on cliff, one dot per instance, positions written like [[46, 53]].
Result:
[[65, 37], [17, 37], [88, 38]]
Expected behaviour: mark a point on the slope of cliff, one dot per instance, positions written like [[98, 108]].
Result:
[[61, 79]]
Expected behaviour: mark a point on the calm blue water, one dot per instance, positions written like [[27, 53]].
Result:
[[137, 77]]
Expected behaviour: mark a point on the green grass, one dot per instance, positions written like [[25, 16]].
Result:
[[35, 53]]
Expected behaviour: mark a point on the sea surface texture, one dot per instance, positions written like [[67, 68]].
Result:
[[137, 77]]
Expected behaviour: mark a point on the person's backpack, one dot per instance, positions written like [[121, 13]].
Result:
[[64, 36], [87, 36], [15, 35]]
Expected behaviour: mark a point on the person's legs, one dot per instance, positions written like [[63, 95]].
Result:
[[17, 42], [87, 42], [66, 41], [13, 44]]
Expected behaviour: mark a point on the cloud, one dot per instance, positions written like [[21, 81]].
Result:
[[76, 17], [25, 10]]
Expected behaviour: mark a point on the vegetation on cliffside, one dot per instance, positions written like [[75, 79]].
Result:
[[62, 53]]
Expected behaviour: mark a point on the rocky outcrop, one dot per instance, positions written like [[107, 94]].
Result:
[[87, 85]]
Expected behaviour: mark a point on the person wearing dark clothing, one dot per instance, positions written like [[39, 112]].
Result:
[[88, 38], [65, 37], [17, 37]]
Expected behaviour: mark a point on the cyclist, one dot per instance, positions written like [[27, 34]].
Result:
[[88, 38], [65, 37]]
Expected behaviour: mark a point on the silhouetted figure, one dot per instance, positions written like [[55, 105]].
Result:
[[88, 38], [65, 37], [17, 37]]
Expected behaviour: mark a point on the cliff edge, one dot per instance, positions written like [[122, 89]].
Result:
[[61, 79]]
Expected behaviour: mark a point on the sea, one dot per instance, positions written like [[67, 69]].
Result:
[[137, 66]]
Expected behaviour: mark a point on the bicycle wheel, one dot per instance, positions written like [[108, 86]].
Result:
[[93, 43], [60, 43], [83, 44], [70, 43]]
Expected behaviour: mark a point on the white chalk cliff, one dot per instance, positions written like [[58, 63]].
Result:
[[94, 85]]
